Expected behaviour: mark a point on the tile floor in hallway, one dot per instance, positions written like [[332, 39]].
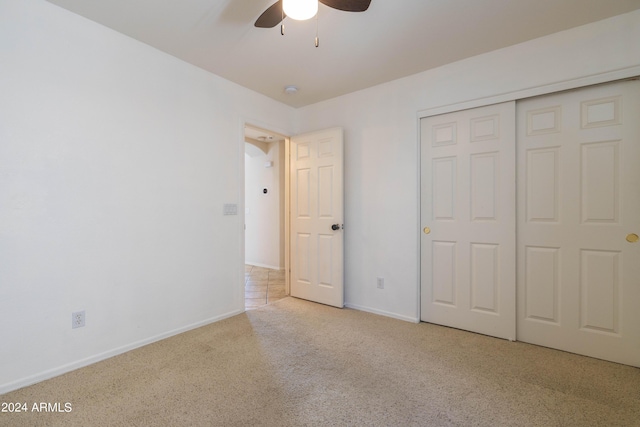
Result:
[[262, 286]]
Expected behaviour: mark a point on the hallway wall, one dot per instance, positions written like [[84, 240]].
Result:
[[264, 213]]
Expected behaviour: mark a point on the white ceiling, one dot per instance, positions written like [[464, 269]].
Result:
[[393, 39]]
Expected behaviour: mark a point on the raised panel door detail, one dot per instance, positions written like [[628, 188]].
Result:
[[599, 291], [485, 128], [444, 186], [303, 151], [542, 188], [544, 120], [601, 112], [600, 186], [444, 134], [484, 186], [485, 277], [325, 258], [303, 187], [542, 283], [325, 192], [325, 148], [444, 273], [303, 252]]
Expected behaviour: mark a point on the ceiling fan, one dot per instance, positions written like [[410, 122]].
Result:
[[275, 13]]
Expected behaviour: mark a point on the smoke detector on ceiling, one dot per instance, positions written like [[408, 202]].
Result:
[[290, 90]]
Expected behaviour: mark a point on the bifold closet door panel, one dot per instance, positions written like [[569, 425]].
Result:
[[468, 220], [578, 212]]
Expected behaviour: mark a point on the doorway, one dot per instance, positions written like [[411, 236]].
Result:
[[265, 237], [305, 235]]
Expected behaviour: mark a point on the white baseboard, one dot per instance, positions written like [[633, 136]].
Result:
[[383, 313], [42, 376]]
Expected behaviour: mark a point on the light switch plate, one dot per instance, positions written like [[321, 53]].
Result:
[[230, 209]]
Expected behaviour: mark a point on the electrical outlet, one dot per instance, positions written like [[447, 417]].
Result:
[[77, 319], [380, 282]]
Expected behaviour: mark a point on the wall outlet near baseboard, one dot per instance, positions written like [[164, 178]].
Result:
[[77, 319], [380, 282]]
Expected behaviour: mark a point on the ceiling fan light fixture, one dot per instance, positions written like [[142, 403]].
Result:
[[300, 9]]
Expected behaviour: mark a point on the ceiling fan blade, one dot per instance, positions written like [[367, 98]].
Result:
[[270, 17], [348, 5]]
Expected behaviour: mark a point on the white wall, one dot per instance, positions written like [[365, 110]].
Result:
[[381, 143], [264, 213], [115, 162]]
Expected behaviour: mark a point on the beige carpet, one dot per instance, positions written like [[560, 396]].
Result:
[[295, 363]]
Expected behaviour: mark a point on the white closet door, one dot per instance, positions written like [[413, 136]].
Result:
[[578, 221], [468, 219]]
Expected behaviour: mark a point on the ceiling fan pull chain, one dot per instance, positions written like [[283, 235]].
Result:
[[282, 22], [317, 38]]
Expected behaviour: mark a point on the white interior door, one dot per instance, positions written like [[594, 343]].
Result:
[[579, 217], [468, 211], [317, 217]]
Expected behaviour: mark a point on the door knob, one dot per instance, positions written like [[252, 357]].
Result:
[[335, 227], [632, 238], [426, 230]]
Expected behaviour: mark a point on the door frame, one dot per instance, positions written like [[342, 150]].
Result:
[[607, 77]]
